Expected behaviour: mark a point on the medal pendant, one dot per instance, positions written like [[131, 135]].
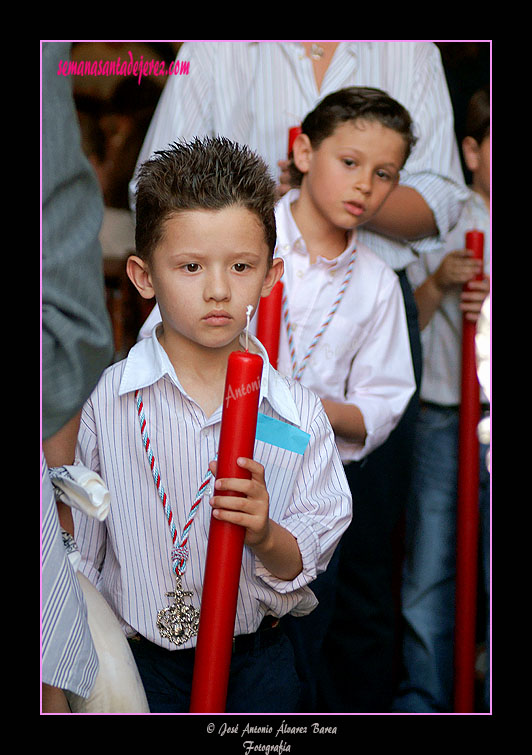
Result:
[[178, 622]]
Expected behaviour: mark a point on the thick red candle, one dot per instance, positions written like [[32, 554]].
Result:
[[226, 540], [467, 512], [269, 322]]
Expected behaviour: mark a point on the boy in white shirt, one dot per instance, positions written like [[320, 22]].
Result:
[[345, 333], [205, 237]]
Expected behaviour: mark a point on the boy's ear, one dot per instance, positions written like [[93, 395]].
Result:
[[302, 152], [274, 274], [470, 150], [139, 275]]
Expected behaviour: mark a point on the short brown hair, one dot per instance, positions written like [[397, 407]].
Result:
[[205, 174], [353, 104]]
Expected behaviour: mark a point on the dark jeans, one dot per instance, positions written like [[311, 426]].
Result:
[[307, 634], [430, 563], [262, 680], [358, 664]]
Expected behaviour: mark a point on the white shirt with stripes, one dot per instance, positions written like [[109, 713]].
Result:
[[253, 92], [128, 557]]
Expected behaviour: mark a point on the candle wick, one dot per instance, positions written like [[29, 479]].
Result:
[[249, 310]]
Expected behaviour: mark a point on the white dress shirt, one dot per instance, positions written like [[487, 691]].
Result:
[[128, 557], [441, 339], [253, 92], [363, 357]]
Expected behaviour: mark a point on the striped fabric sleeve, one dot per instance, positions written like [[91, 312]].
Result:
[[88, 530], [69, 660], [320, 507]]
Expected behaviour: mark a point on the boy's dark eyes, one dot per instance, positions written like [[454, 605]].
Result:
[[193, 267], [350, 163]]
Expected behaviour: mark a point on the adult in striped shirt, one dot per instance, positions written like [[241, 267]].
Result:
[[76, 348], [205, 241]]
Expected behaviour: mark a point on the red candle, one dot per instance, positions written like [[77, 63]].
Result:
[[467, 511], [226, 540], [292, 134], [269, 322], [269, 314]]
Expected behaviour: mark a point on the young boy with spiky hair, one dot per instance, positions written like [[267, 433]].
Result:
[[205, 235]]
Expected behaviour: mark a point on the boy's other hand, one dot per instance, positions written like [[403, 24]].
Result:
[[456, 269]]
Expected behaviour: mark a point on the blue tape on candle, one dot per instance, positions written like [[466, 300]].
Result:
[[281, 434]]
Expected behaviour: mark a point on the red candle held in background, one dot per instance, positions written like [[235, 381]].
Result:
[[270, 307], [269, 322], [226, 540], [467, 510], [292, 134]]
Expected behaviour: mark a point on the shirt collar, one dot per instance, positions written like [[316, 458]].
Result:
[[148, 362], [292, 240]]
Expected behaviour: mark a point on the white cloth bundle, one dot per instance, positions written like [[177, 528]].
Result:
[[82, 489], [118, 687]]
